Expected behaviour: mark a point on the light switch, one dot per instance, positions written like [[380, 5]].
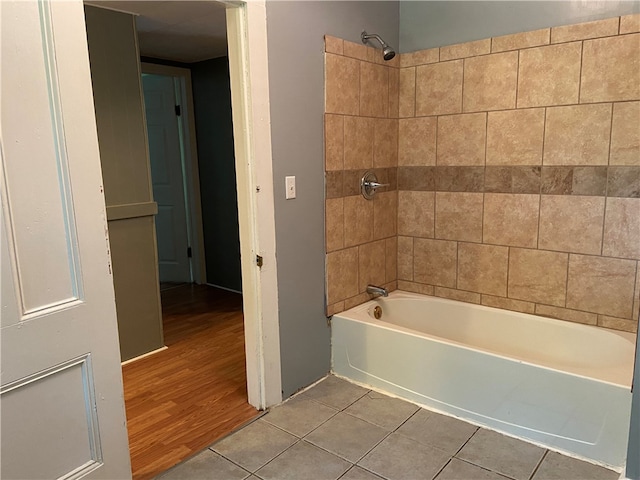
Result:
[[290, 185]]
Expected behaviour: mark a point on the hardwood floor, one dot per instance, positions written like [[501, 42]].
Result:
[[184, 398]]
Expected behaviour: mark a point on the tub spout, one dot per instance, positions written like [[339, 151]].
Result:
[[377, 291]]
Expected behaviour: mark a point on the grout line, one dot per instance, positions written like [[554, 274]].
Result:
[[542, 169], [415, 91], [566, 285], [580, 78], [462, 88], [434, 477], [517, 79], [535, 470], [508, 268]]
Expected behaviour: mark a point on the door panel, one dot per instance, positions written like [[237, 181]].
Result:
[[167, 177], [61, 386]]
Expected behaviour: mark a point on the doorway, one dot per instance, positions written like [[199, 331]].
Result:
[[256, 372]]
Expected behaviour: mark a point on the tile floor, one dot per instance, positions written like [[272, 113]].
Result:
[[338, 430]]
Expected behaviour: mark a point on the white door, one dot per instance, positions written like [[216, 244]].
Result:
[[61, 385], [167, 174]]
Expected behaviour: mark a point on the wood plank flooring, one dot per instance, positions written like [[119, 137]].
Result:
[[184, 398]]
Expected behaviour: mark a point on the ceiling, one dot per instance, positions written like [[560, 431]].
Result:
[[182, 31]]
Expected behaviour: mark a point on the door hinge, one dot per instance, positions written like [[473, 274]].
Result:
[[178, 110], [189, 252], [259, 261]]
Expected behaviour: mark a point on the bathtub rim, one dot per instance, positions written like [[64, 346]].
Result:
[[362, 308]]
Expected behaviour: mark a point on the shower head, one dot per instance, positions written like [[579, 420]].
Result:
[[387, 52]]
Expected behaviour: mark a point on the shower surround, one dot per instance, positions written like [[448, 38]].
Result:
[[514, 165]]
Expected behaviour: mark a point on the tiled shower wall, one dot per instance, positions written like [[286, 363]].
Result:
[[519, 173], [361, 133]]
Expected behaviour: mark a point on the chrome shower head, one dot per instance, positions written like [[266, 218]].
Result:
[[387, 52]]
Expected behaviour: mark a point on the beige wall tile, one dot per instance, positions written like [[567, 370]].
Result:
[[391, 259], [459, 216], [618, 323], [630, 23], [549, 75], [577, 135], [391, 286], [571, 224], [439, 88], [374, 90], [355, 50], [421, 57], [490, 82], [385, 143], [435, 262], [358, 220], [371, 264], [407, 107], [611, 69], [508, 304], [461, 139], [511, 219], [459, 295], [394, 92], [416, 213], [601, 285], [415, 287], [515, 137], [566, 314], [584, 31], [463, 50], [483, 268], [358, 142], [417, 141], [342, 85], [334, 142], [538, 276], [625, 134], [333, 45], [622, 228], [385, 214], [334, 224], [335, 308], [516, 41], [342, 274], [357, 300], [405, 258]]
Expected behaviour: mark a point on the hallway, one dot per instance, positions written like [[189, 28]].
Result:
[[182, 399]]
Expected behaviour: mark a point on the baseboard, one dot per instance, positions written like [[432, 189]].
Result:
[[126, 362], [224, 288]]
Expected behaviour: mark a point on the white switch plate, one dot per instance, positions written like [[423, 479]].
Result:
[[290, 185]]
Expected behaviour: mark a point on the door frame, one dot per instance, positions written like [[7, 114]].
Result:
[[249, 76], [189, 151]]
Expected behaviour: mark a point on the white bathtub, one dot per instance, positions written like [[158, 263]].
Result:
[[559, 384]]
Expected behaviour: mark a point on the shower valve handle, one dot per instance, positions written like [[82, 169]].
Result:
[[375, 185], [369, 184]]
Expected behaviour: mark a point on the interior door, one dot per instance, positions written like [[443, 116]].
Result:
[[167, 177], [61, 391]]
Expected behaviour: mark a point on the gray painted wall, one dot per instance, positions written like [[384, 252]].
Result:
[[434, 24], [296, 81], [217, 171]]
